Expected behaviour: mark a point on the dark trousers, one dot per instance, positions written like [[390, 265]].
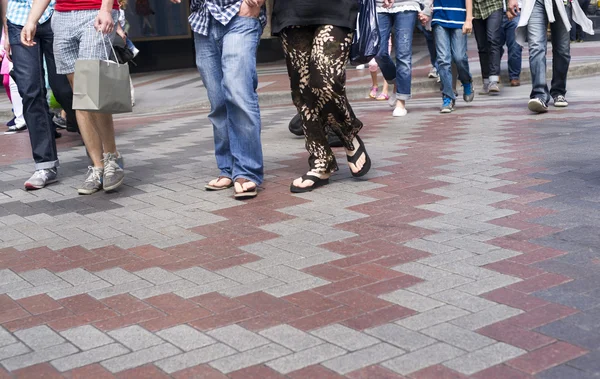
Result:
[[30, 78], [489, 44]]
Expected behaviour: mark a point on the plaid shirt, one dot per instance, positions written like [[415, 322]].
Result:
[[482, 9], [221, 10], [18, 10]]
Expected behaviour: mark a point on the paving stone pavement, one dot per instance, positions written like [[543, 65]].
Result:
[[470, 250]]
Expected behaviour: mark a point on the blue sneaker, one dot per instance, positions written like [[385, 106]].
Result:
[[468, 93], [447, 106]]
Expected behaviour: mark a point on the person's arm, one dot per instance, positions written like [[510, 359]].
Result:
[[28, 32], [104, 21], [468, 25], [251, 8]]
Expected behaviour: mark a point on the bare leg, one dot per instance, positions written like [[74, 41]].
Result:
[[374, 79]]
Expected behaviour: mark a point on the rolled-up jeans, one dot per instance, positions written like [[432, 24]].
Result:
[[451, 46], [226, 60], [538, 45]]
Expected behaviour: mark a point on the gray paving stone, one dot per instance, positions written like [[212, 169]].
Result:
[[455, 336], [161, 289], [492, 257], [198, 275], [13, 350], [421, 271], [6, 338], [39, 356], [429, 246], [238, 337], [345, 337], [157, 275], [7, 276], [88, 357], [363, 358], [488, 284], [249, 358], [305, 358], [463, 300], [120, 289], [39, 337], [485, 358], [38, 290], [401, 337], [78, 276], [432, 317], [135, 337], [295, 287], [195, 357], [86, 337], [290, 337], [412, 300], [185, 337], [39, 277], [464, 269], [486, 317], [14, 286], [140, 357], [117, 276], [248, 288], [242, 274], [286, 274], [431, 287], [443, 259], [420, 359], [78, 290]]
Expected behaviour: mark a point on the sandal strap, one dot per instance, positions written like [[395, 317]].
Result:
[[358, 153], [309, 176]]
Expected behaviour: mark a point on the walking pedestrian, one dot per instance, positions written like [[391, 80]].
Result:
[[513, 49], [316, 37], [83, 30], [28, 74], [532, 30], [487, 22], [17, 124], [226, 35]]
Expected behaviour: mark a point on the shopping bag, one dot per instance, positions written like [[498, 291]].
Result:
[[366, 40], [102, 86]]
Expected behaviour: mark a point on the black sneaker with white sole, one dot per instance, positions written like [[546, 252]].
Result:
[[15, 129], [560, 102], [537, 105]]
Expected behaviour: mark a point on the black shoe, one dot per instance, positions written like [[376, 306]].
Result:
[[57, 135], [72, 123], [12, 122], [334, 140], [295, 126]]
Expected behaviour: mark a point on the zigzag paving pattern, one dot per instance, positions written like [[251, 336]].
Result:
[[448, 261]]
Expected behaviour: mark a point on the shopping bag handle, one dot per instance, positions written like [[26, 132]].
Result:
[[101, 36]]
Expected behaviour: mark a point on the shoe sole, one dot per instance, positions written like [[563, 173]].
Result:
[[536, 107], [493, 92], [446, 111], [87, 192], [30, 187], [559, 105], [114, 186]]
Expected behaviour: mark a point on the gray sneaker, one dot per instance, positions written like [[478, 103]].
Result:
[[485, 90], [41, 178], [92, 182], [493, 88], [113, 173]]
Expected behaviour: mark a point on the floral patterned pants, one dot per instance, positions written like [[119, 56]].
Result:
[[316, 59]]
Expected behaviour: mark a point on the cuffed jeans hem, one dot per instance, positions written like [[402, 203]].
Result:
[[46, 165], [400, 96], [494, 78], [254, 180]]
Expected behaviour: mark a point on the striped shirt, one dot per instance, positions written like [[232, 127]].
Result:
[[18, 10], [449, 13], [221, 10]]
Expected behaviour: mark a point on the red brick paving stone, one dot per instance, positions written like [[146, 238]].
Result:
[[224, 319], [368, 256], [276, 318], [375, 271], [345, 248], [344, 285], [39, 371], [111, 252], [540, 282], [540, 255], [373, 372], [94, 371], [139, 265], [312, 301], [12, 315], [515, 269], [325, 318], [541, 316], [515, 299], [199, 372], [546, 357], [125, 304], [143, 372], [31, 321], [256, 372], [129, 319], [329, 272], [81, 304], [264, 302], [110, 264], [515, 336], [216, 302], [76, 253], [170, 302], [39, 304], [437, 372], [175, 318], [360, 300], [391, 285], [501, 372], [230, 262], [82, 319], [314, 372], [70, 265], [147, 252], [379, 317]]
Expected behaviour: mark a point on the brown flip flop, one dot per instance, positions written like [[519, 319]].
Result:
[[209, 187], [245, 194]]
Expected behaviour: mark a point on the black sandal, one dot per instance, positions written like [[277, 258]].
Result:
[[353, 159], [317, 182]]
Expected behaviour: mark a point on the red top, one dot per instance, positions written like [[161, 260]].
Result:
[[81, 5]]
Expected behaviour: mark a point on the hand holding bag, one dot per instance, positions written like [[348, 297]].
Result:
[[366, 40], [102, 85]]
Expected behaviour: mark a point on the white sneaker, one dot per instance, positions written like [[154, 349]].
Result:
[[433, 73], [560, 102], [135, 51], [399, 112], [360, 67], [15, 129]]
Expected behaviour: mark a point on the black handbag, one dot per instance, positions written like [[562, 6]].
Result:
[[366, 40]]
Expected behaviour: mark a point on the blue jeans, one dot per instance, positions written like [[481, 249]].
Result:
[[30, 78], [514, 50], [129, 44], [561, 53], [451, 46], [403, 24], [226, 59], [428, 34]]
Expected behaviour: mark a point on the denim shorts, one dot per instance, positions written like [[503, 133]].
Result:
[[76, 38]]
